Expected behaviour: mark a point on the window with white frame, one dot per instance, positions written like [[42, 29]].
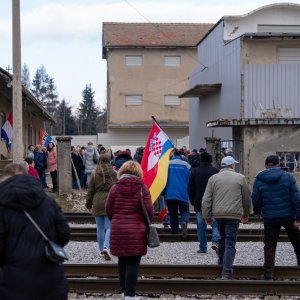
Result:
[[172, 100], [172, 61], [289, 55], [131, 100], [134, 60]]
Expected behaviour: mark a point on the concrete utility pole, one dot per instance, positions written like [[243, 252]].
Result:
[[17, 143]]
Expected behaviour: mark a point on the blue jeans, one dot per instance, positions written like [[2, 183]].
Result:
[[228, 229], [103, 224], [74, 184], [173, 206], [201, 232]]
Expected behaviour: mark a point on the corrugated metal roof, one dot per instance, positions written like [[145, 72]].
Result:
[[153, 34]]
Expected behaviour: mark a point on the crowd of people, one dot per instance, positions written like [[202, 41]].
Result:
[[221, 199]]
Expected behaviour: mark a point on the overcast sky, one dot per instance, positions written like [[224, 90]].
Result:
[[65, 35]]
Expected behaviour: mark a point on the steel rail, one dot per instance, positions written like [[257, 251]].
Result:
[[179, 271], [85, 237], [88, 218], [193, 231], [190, 286]]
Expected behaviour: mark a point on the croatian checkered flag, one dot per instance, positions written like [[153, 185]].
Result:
[[156, 160]]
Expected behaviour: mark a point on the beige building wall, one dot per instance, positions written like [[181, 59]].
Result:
[[153, 80], [261, 141], [264, 51], [31, 123]]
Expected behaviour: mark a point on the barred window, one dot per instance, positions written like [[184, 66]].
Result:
[[290, 161]]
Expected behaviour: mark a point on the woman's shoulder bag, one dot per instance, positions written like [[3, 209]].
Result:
[[152, 234], [53, 252]]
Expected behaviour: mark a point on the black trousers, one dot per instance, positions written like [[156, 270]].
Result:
[[54, 180], [128, 267], [271, 235]]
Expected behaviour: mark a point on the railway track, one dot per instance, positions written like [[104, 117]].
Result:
[[184, 279], [88, 218], [244, 235]]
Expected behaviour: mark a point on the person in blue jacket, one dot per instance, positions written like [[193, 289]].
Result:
[[176, 193], [276, 196]]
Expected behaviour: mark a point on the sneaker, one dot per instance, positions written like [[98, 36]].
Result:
[[265, 277], [215, 248], [184, 230], [227, 277], [106, 254], [202, 251], [132, 298]]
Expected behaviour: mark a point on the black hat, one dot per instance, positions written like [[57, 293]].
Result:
[[205, 157], [272, 160]]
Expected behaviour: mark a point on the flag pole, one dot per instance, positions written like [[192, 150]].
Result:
[[153, 118]]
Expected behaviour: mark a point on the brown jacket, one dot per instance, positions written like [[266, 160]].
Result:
[[101, 181]]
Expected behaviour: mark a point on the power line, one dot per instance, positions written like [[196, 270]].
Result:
[[156, 26]]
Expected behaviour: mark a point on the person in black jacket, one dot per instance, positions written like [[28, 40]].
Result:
[[79, 167], [25, 273], [197, 184], [276, 196]]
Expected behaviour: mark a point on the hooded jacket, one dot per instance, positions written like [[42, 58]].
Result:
[[25, 273], [88, 159], [101, 181], [276, 195], [128, 221]]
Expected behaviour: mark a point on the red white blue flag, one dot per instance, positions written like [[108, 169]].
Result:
[[156, 160], [45, 138], [7, 131]]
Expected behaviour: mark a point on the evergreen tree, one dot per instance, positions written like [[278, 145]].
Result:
[[26, 77], [51, 99], [40, 83], [88, 112], [66, 122], [102, 121]]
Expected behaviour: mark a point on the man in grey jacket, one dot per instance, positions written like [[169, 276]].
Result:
[[227, 198]]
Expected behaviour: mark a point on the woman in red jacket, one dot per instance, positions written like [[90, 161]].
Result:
[[128, 224]]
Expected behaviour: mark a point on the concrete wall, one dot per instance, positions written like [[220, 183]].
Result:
[[261, 141], [153, 80], [122, 138]]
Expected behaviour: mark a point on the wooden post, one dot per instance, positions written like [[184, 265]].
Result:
[[17, 143]]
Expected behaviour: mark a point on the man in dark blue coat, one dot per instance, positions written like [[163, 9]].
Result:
[[276, 196]]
